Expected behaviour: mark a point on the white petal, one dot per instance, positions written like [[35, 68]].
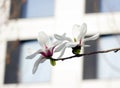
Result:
[[62, 38], [60, 47], [64, 35], [94, 37], [40, 60], [76, 30], [67, 44], [33, 55], [71, 44], [56, 43], [68, 39], [83, 32], [59, 37], [62, 52], [53, 45], [42, 38]]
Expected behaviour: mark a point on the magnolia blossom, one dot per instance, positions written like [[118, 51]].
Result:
[[79, 39], [48, 47]]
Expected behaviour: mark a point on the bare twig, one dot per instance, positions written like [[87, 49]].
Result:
[[90, 53]]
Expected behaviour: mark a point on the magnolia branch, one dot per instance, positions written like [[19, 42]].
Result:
[[90, 53]]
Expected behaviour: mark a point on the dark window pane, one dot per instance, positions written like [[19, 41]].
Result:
[[12, 62], [93, 6], [90, 65]]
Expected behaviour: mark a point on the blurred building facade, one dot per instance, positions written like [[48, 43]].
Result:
[[21, 20]]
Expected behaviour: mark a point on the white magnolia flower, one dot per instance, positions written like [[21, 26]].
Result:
[[48, 47], [78, 41]]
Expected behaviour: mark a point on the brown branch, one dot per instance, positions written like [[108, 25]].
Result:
[[90, 53]]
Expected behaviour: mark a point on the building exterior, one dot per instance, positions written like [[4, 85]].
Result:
[[22, 29]]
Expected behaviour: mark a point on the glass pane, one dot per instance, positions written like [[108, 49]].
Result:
[[31, 8], [19, 69], [102, 66], [38, 8], [110, 6], [93, 6], [109, 63]]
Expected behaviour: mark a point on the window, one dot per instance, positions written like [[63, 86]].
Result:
[[93, 6], [102, 66], [18, 69], [31, 8]]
